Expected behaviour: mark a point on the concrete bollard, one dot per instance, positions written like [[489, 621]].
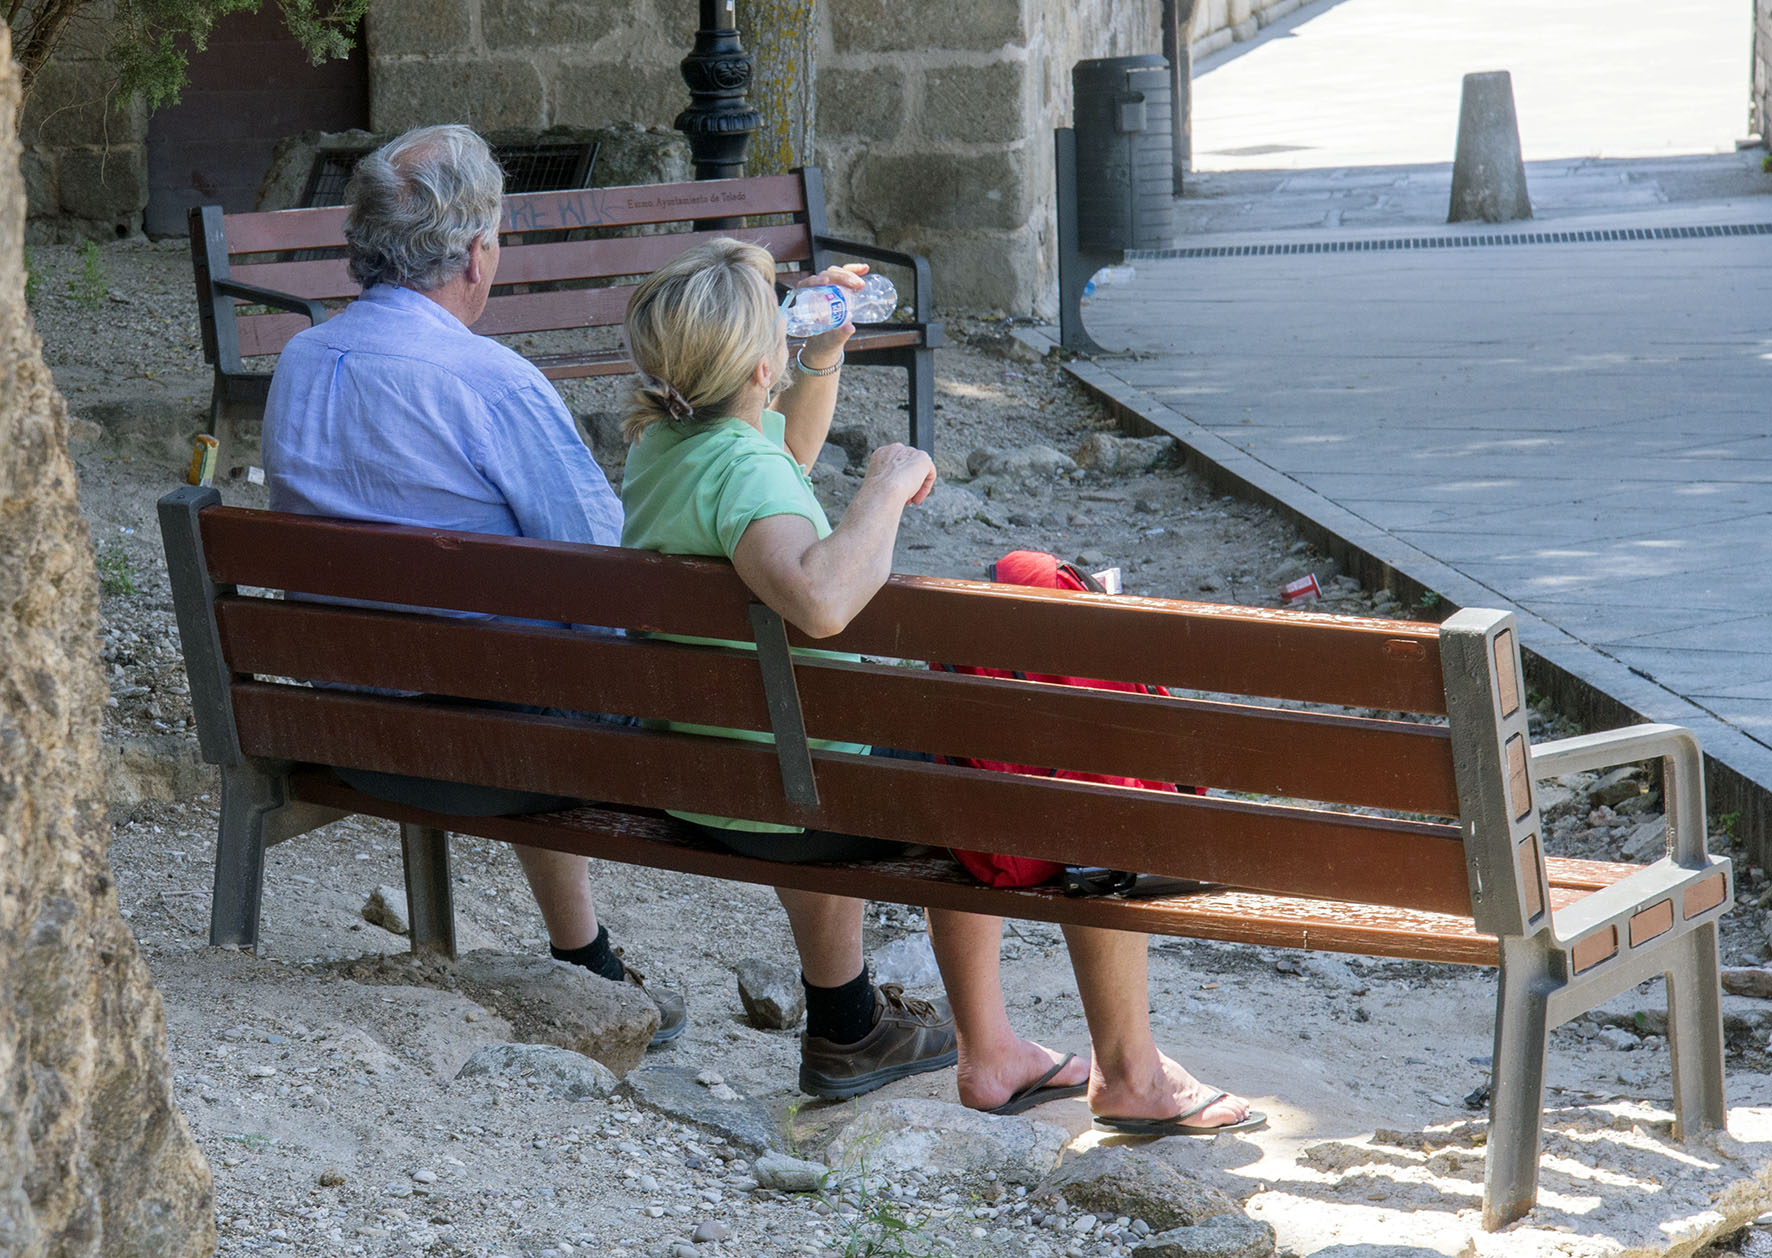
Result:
[[1488, 177]]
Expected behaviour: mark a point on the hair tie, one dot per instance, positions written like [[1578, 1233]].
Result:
[[675, 404]]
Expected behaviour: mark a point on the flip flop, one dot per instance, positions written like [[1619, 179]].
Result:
[[1178, 1125], [1038, 1093]]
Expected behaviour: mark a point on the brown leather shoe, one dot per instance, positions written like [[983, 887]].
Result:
[[909, 1037]]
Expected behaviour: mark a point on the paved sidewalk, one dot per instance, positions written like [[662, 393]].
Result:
[[1581, 432]]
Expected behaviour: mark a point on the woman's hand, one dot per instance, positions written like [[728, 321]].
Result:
[[900, 467], [827, 347]]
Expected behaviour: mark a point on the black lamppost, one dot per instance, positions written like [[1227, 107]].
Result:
[[719, 120]]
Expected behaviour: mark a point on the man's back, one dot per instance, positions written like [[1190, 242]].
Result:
[[393, 411]]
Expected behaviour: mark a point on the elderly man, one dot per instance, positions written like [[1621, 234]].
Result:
[[393, 411]]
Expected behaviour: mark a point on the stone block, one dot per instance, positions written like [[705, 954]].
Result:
[[1239, 11], [506, 92], [404, 27], [898, 26], [105, 184], [942, 191], [869, 103], [977, 104], [530, 24], [984, 271], [76, 103], [597, 93]]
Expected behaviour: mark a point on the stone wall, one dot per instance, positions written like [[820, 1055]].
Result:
[[85, 160], [498, 64], [94, 1157], [1762, 122], [935, 129]]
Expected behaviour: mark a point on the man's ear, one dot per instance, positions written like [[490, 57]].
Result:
[[476, 268]]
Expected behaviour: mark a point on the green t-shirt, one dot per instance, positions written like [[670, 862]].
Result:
[[694, 490]]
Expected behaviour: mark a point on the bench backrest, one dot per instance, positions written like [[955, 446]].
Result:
[[1468, 848], [559, 267]]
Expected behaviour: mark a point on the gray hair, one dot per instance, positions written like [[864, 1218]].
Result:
[[417, 203]]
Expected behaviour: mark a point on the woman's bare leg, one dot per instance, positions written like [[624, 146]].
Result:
[[995, 1063], [1129, 1076]]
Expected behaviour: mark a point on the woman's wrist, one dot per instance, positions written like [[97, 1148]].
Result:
[[807, 369]]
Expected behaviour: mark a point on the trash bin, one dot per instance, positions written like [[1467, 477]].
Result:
[[1116, 177], [1123, 114]]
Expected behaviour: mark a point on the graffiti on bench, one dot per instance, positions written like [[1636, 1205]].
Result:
[[592, 207]]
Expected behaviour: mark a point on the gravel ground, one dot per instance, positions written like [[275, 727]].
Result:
[[329, 1107]]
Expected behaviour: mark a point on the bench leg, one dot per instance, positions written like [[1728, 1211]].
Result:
[[1516, 1086], [1695, 1033], [249, 796], [922, 400], [425, 853]]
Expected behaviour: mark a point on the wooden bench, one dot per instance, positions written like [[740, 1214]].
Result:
[[1461, 877], [568, 261]]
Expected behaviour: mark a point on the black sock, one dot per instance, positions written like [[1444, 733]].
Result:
[[843, 1014], [595, 956]]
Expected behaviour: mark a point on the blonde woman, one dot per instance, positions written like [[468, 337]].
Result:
[[724, 424]]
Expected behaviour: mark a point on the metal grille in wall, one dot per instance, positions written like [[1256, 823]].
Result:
[[528, 168]]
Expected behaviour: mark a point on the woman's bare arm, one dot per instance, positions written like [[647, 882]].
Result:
[[819, 586]]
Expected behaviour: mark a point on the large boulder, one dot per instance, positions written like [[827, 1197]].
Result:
[[95, 1159]]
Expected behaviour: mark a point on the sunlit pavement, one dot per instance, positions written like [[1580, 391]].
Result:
[[1580, 430]]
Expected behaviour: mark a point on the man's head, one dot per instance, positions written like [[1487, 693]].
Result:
[[418, 203]]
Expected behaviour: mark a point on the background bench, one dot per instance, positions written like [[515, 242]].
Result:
[[1462, 877], [569, 260]]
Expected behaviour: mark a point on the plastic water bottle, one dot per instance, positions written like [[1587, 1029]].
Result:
[[822, 307]]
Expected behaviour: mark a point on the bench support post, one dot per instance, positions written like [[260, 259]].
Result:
[[1695, 1033], [1516, 1089], [429, 902], [783, 698], [249, 796]]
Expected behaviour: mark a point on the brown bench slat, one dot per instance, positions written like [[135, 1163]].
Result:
[[1267, 847], [1269, 751], [1389, 665], [652, 839], [653, 203], [279, 230], [563, 261]]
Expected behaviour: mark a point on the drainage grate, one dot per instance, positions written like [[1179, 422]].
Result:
[[1457, 242]]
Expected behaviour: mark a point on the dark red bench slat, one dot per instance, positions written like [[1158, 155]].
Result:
[[1268, 751], [1264, 847], [1387, 665]]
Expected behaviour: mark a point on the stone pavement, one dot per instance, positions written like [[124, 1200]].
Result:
[[1580, 431]]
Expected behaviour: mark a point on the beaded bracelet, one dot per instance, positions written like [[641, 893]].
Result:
[[800, 363]]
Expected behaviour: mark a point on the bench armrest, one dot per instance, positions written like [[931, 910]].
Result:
[[315, 311], [916, 263], [1683, 779]]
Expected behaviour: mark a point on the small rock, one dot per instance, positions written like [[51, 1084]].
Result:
[[771, 993], [789, 1174], [552, 1002], [1234, 1235], [710, 1078], [1617, 786], [1113, 1180], [673, 1091], [1619, 1039], [903, 1136], [648, 1184], [1091, 559], [1647, 842], [908, 961], [331, 1177], [709, 1232], [386, 908], [424, 1175], [1126, 456], [559, 1072]]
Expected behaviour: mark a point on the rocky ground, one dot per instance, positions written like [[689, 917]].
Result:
[[324, 1077]]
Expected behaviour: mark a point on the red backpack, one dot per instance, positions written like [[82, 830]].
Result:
[[1044, 571]]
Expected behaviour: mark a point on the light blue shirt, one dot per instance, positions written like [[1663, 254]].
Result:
[[393, 411]]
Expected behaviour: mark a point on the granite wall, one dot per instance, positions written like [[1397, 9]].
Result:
[[1762, 89]]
